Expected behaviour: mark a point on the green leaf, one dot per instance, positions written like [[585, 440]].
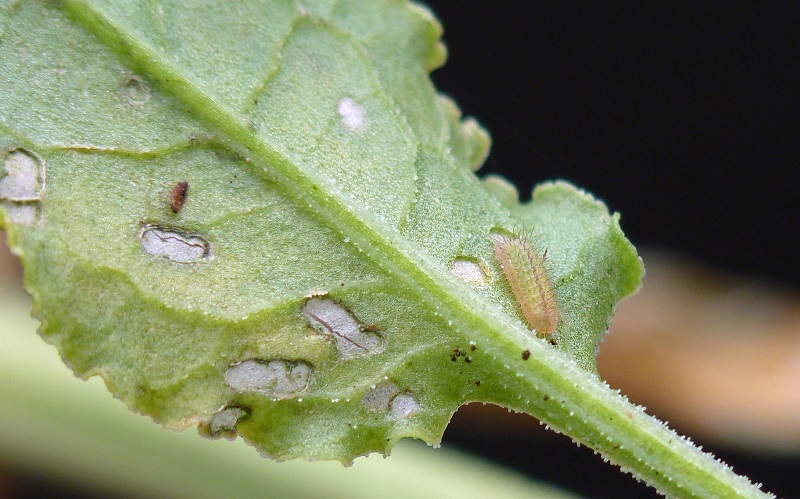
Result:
[[54, 425], [329, 285]]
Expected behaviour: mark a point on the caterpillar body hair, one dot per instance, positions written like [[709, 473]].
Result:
[[529, 280]]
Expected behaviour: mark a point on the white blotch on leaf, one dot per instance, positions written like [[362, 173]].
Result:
[[23, 214], [471, 271], [386, 397], [224, 421], [377, 398], [275, 378], [174, 245], [22, 185], [352, 115], [403, 405], [135, 91], [22, 179], [352, 339]]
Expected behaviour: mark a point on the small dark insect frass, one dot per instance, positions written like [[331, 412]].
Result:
[[178, 196]]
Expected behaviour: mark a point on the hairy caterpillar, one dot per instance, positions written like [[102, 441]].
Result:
[[527, 275]]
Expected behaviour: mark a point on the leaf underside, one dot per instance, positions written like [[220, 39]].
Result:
[[318, 291]]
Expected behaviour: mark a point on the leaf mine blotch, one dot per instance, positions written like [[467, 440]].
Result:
[[403, 406], [223, 423], [22, 178], [22, 214], [277, 378], [386, 397], [352, 115], [135, 91], [470, 271], [174, 245], [22, 182], [378, 397], [351, 337]]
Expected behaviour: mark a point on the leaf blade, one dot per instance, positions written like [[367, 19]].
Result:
[[409, 244]]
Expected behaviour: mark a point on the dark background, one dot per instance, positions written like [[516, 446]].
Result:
[[682, 116]]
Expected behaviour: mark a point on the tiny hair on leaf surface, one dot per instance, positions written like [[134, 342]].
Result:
[[329, 283]]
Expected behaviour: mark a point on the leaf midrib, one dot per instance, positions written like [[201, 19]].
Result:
[[432, 285]]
